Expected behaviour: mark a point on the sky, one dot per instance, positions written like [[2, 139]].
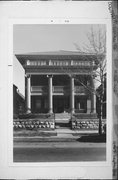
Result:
[[37, 38], [29, 38]]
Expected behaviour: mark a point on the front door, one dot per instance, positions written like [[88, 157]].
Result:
[[60, 104], [39, 104]]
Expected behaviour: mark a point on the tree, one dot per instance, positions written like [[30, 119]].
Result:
[[97, 45]]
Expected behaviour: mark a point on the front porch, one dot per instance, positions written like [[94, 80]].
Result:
[[76, 121], [59, 94]]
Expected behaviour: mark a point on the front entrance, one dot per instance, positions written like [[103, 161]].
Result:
[[39, 104], [61, 104]]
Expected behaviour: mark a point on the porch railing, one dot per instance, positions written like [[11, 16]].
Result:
[[58, 89], [39, 89]]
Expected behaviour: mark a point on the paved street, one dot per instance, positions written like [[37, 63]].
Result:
[[58, 151], [59, 145]]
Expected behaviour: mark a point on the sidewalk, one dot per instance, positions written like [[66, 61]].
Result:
[[57, 135]]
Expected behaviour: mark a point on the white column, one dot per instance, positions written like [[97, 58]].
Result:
[[93, 97], [72, 100], [50, 94], [88, 106], [28, 98]]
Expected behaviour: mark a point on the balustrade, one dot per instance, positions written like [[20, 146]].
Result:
[[39, 88], [57, 89], [80, 89]]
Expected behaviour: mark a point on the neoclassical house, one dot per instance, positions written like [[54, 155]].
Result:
[[60, 82]]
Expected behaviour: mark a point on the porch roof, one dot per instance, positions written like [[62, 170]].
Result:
[[56, 55]]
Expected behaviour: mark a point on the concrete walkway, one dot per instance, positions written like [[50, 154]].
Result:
[[57, 135], [61, 132], [69, 131]]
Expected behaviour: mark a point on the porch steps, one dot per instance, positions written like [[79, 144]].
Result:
[[62, 117], [62, 120]]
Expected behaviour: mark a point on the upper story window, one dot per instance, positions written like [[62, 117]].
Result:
[[80, 63], [59, 63], [36, 63]]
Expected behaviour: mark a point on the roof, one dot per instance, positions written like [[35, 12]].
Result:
[[18, 92], [60, 55], [60, 52]]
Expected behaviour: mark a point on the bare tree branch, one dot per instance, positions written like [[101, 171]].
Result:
[[97, 45]]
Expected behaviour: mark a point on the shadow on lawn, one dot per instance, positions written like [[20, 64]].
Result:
[[93, 138]]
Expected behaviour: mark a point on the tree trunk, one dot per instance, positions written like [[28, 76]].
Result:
[[100, 118]]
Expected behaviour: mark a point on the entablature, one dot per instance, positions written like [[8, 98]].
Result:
[[59, 63], [58, 70], [59, 59]]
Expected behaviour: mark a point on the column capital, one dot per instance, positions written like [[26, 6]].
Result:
[[28, 75], [93, 76], [72, 75], [50, 76]]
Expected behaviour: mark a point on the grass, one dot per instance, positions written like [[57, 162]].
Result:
[[95, 138], [30, 133]]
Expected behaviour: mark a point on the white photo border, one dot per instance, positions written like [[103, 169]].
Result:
[[44, 13], [76, 21]]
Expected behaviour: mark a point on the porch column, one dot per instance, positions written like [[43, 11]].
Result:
[[28, 93], [93, 97], [50, 94], [89, 97], [72, 100], [89, 105]]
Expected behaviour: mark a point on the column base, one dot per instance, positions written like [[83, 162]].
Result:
[[72, 111], [50, 111], [93, 112], [28, 111]]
